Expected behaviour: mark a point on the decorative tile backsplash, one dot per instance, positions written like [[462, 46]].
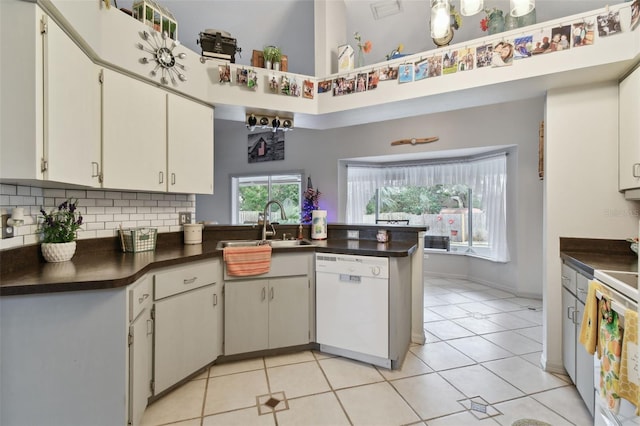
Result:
[[103, 211]]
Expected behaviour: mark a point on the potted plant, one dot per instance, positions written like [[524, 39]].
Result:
[[277, 58], [59, 231], [268, 53]]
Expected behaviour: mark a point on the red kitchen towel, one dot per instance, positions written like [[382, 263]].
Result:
[[247, 261]]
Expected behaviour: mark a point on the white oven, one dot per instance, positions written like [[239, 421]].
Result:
[[623, 292]]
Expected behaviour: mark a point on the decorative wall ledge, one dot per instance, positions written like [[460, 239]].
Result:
[[110, 37]]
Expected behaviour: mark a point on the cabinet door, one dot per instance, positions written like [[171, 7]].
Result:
[[629, 137], [584, 365], [134, 149], [569, 333], [246, 316], [288, 311], [190, 146], [185, 335], [71, 111], [218, 308], [140, 364]]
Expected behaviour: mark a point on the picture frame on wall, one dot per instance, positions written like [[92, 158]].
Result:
[[265, 146], [405, 73]]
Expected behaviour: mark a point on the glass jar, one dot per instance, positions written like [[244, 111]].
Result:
[[495, 23]]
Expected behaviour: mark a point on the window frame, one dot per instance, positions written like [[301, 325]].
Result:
[[233, 188]]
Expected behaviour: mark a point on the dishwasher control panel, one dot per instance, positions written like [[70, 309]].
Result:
[[362, 266]]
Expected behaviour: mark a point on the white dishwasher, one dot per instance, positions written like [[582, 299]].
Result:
[[352, 306]]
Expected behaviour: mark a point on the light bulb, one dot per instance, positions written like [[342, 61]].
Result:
[[440, 19], [521, 7], [471, 7]]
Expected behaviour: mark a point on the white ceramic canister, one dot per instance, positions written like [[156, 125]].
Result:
[[319, 224], [193, 233]]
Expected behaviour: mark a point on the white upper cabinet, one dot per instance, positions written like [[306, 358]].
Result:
[[629, 143], [153, 140], [50, 102], [71, 111], [190, 146], [134, 135]]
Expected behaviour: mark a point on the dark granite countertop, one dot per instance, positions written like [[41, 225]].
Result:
[[100, 264], [588, 255]]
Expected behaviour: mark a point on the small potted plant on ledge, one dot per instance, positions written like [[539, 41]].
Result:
[[272, 57], [59, 231]]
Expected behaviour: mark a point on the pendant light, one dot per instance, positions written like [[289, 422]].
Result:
[[440, 18], [471, 7], [521, 7]]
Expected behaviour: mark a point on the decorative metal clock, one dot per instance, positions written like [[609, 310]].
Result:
[[166, 64]]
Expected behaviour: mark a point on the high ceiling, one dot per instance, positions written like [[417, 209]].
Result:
[[410, 25]]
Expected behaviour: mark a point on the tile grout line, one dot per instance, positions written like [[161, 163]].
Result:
[[335, 394]]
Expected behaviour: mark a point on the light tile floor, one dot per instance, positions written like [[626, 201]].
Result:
[[479, 366]]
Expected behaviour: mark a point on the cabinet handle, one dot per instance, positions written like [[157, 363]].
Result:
[[173, 178], [190, 280], [149, 327], [569, 313], [143, 298], [160, 177], [264, 293], [271, 294], [574, 316], [636, 170], [582, 290], [215, 299], [95, 169]]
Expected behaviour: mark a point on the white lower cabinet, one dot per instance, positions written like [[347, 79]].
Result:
[[140, 348], [187, 304], [266, 314], [577, 361]]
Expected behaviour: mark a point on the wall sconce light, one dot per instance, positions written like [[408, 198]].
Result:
[[273, 123], [521, 7], [471, 7], [440, 18]]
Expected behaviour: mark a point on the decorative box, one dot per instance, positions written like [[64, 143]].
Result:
[[157, 17], [218, 44], [346, 58]]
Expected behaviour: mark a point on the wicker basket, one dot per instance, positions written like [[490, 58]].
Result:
[[135, 240]]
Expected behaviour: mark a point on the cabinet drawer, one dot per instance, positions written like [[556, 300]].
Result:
[[582, 287], [569, 278], [139, 296], [179, 279]]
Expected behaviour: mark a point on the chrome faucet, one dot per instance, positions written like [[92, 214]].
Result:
[[265, 219]]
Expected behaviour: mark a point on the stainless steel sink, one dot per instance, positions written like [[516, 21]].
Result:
[[238, 243], [289, 243], [272, 243]]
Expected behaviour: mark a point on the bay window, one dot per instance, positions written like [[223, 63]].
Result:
[[462, 201]]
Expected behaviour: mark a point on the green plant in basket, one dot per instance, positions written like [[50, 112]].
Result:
[[61, 225]]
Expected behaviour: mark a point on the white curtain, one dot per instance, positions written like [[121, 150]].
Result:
[[487, 177]]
